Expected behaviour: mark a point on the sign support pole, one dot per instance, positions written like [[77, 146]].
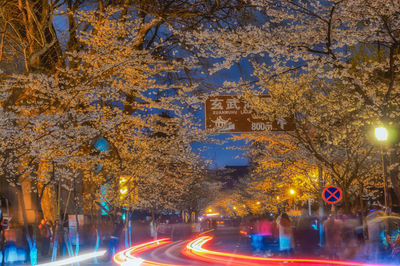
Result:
[[385, 180], [321, 207]]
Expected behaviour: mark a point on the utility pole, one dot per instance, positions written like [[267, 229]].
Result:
[[321, 205]]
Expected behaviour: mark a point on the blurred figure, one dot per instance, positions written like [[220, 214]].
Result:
[[286, 243], [375, 228], [214, 224], [305, 234], [333, 236], [265, 229], [45, 234], [11, 252], [383, 233], [256, 239], [351, 225], [203, 225], [275, 230], [262, 237], [113, 243]]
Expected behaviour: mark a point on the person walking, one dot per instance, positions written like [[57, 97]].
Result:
[[113, 243], [264, 229], [305, 235], [286, 243], [45, 234], [256, 238], [333, 236], [376, 229]]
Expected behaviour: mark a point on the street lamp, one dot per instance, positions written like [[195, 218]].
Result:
[[381, 135], [292, 193]]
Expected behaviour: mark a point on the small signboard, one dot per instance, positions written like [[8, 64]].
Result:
[[295, 213], [233, 114], [332, 194]]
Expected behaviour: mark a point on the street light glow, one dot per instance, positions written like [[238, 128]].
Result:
[[234, 207], [381, 133], [209, 210], [258, 203], [292, 191], [123, 190]]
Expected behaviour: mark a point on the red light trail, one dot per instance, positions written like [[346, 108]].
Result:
[[195, 250], [129, 255]]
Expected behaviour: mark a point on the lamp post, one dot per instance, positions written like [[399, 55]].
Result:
[[381, 135]]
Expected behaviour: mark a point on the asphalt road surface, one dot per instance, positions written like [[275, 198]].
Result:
[[226, 239]]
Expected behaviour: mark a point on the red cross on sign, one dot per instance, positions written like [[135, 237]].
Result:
[[332, 194]]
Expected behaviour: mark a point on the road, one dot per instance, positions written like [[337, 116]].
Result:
[[227, 239], [224, 246]]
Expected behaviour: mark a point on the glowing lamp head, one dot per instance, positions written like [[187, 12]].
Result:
[[277, 197], [123, 190], [209, 210], [234, 207], [258, 203], [292, 191], [381, 133]]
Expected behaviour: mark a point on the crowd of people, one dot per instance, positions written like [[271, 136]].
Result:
[[374, 237]]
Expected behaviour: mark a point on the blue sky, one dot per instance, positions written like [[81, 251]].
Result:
[[222, 155]]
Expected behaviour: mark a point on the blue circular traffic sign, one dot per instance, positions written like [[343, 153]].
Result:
[[332, 194]]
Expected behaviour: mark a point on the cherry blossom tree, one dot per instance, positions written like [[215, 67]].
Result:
[[333, 66]]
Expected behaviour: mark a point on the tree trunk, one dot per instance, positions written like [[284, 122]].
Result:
[[361, 199], [77, 235], [154, 224], [31, 243], [55, 244], [130, 228], [345, 199], [393, 175], [77, 221], [96, 247]]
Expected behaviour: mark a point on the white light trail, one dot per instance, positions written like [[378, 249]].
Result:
[[75, 259]]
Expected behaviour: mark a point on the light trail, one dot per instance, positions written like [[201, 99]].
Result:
[[75, 259], [195, 250], [129, 255]]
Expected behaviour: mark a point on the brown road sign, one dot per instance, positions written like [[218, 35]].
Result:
[[233, 114]]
